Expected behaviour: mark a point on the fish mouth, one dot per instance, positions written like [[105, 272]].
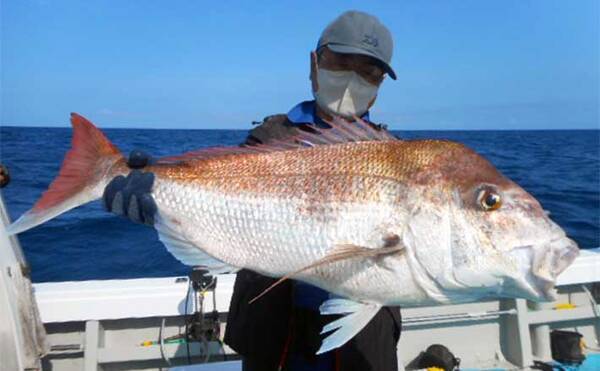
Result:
[[544, 289], [546, 262], [551, 260]]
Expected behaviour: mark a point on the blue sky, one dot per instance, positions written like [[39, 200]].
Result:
[[511, 64]]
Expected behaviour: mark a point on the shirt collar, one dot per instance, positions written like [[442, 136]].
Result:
[[304, 113]]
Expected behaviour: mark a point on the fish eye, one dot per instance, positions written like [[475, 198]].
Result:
[[489, 199]]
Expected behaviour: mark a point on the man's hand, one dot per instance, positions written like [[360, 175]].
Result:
[[131, 196], [139, 159]]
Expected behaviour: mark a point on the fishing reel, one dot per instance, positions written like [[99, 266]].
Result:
[[201, 280], [204, 327], [201, 325]]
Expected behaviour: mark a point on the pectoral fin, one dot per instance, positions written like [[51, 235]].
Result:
[[348, 326], [391, 245]]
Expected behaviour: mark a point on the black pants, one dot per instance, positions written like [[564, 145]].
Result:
[[264, 331]]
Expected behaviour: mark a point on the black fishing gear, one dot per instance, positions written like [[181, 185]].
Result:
[[567, 347], [439, 356]]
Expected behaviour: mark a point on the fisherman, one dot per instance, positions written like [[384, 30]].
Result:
[[281, 331]]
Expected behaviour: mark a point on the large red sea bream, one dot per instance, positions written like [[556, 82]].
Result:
[[372, 219]]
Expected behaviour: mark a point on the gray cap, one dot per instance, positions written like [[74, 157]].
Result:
[[356, 32]]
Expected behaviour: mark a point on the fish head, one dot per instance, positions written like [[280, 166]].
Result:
[[501, 242]]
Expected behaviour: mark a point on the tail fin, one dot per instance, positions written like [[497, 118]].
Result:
[[85, 171]]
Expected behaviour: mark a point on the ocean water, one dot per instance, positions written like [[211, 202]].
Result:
[[560, 168]]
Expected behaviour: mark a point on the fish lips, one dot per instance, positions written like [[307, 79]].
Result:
[[542, 264], [552, 259]]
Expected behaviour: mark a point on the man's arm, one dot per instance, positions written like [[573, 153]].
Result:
[[274, 127]]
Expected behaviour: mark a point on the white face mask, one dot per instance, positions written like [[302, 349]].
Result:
[[343, 93]]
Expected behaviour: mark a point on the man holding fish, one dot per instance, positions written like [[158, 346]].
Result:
[[341, 205], [281, 330]]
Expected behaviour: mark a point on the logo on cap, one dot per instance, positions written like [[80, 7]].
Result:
[[370, 40]]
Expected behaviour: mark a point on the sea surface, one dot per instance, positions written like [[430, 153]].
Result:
[[560, 168]]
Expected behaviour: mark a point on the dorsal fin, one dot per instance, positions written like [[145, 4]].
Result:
[[340, 131]]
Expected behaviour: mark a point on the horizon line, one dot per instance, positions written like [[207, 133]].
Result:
[[253, 126]]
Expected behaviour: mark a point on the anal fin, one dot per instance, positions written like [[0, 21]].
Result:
[[347, 327]]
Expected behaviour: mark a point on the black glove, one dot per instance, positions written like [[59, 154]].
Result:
[[139, 159], [131, 196]]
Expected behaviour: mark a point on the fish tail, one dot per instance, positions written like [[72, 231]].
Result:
[[87, 168]]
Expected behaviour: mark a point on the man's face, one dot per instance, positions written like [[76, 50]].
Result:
[[366, 67]]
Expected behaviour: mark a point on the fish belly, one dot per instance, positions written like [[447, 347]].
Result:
[[279, 235]]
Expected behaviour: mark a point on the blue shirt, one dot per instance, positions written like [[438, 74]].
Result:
[[305, 295], [305, 113]]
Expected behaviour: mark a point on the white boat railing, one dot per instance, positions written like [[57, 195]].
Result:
[[111, 299]]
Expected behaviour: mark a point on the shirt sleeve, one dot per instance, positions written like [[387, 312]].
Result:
[[275, 127]]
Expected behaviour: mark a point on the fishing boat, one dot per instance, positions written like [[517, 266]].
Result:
[[178, 322]]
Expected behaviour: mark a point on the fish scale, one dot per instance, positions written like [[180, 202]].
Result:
[[397, 160], [233, 238]]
